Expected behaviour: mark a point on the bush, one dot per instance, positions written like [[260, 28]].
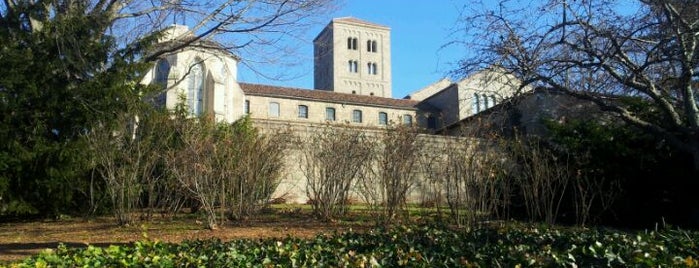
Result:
[[418, 246]]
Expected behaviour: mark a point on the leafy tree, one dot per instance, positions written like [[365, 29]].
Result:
[[599, 50], [56, 82], [69, 66]]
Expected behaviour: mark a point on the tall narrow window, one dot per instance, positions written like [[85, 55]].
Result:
[[195, 90], [274, 109], [369, 68], [493, 101], [383, 118], [352, 64], [485, 102], [373, 46], [247, 107], [368, 45], [303, 111], [352, 43], [349, 66], [330, 114], [373, 69], [407, 120], [357, 116], [476, 103], [162, 70]]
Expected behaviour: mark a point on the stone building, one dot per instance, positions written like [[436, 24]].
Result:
[[352, 86]]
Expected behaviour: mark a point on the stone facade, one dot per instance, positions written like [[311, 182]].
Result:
[[203, 76], [313, 107], [353, 56]]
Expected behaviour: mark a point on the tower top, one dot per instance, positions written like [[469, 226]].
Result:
[[353, 56], [359, 22]]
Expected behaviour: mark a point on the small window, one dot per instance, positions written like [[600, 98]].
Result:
[[303, 111], [476, 103], [493, 101], [373, 68], [352, 43], [357, 116], [371, 46], [369, 68], [330, 114], [352, 65], [431, 122], [383, 118], [407, 120], [247, 107], [162, 70], [274, 109], [486, 105]]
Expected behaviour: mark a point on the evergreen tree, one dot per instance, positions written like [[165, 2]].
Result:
[[56, 81]]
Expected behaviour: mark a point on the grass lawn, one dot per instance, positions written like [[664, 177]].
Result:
[[22, 239]]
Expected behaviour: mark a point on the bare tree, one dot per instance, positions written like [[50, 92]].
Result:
[[542, 178], [333, 157], [125, 158], [259, 167], [394, 171], [257, 31], [599, 51], [192, 163], [473, 179]]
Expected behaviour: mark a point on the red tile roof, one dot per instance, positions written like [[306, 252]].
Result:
[[325, 96]]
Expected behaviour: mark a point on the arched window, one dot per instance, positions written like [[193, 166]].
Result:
[[195, 90], [407, 120], [373, 46], [303, 111], [373, 69], [369, 68], [162, 70], [273, 109], [383, 118], [357, 116], [486, 105], [330, 114], [368, 45], [352, 43]]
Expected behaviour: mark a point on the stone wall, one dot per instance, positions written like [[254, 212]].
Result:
[[292, 187]]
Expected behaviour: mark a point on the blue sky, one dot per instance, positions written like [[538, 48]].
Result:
[[419, 30]]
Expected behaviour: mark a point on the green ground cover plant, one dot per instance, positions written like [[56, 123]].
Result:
[[506, 245]]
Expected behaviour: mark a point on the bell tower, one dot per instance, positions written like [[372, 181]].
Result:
[[353, 56]]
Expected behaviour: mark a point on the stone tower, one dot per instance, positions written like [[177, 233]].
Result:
[[353, 56]]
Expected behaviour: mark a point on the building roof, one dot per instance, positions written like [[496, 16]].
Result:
[[353, 20], [326, 96]]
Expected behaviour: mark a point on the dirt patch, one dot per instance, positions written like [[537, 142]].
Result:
[[21, 240]]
